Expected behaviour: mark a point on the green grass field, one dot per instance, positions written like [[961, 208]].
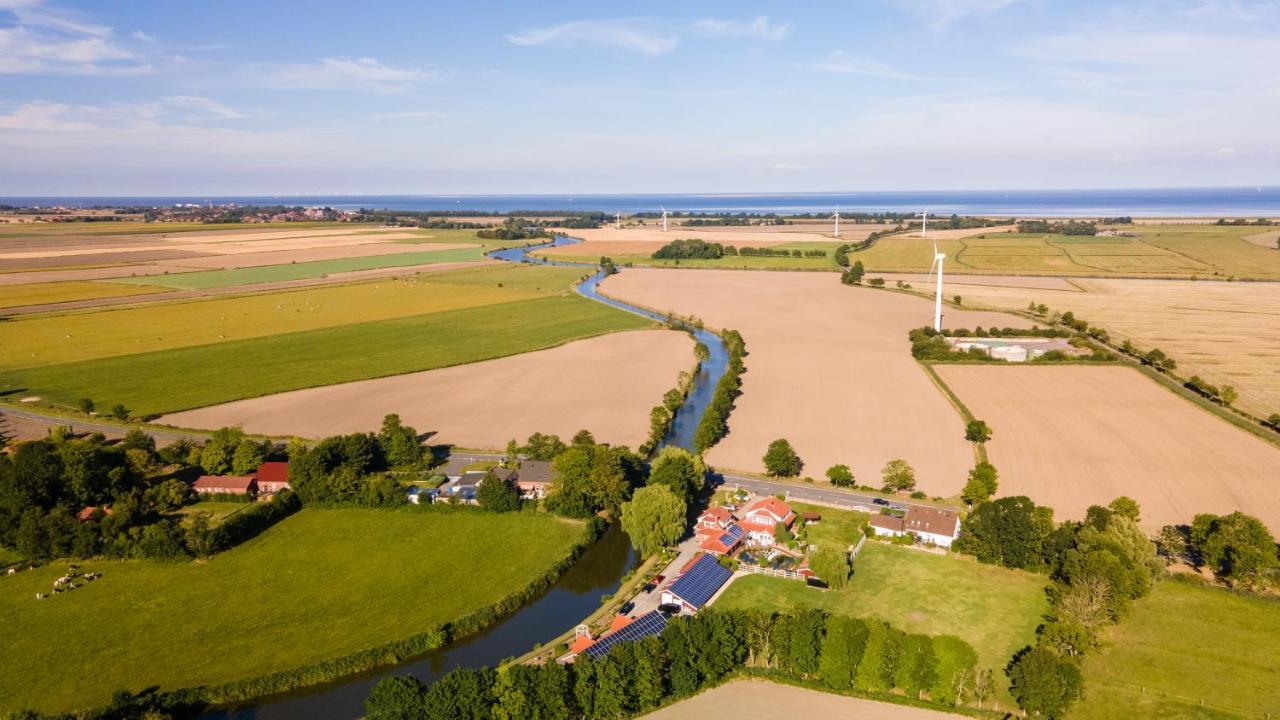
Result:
[[12, 296], [1185, 645], [104, 229], [52, 339], [995, 609], [842, 527], [1155, 250], [320, 585], [183, 378], [216, 510], [203, 280]]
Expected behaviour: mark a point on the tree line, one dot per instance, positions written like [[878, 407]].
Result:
[[715, 419], [832, 652]]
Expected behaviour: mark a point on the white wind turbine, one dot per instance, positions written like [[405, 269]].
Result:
[[837, 219], [924, 228], [619, 215], [937, 300], [664, 219]]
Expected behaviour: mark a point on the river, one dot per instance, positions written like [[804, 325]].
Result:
[[574, 596]]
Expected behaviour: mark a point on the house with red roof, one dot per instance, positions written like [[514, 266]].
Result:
[[717, 531], [89, 510], [226, 485], [272, 477], [929, 525], [760, 518]]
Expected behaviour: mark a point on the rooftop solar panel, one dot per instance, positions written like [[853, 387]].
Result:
[[732, 535], [652, 623], [702, 581]]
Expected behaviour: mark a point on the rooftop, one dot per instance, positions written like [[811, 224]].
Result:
[[701, 581]]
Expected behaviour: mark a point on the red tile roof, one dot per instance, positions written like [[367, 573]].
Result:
[[582, 642], [932, 520], [87, 513], [224, 483], [887, 522], [273, 472]]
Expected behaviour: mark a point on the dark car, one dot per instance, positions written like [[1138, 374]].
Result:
[[626, 608], [650, 587], [879, 501], [658, 580], [669, 608]]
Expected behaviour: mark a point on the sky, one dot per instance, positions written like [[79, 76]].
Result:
[[155, 97]]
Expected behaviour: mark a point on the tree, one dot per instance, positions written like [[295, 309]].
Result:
[[1009, 531], [654, 518], [840, 475], [1237, 546], [543, 447], [982, 484], [462, 694], [680, 471], [1043, 683], [954, 669], [781, 460], [496, 494], [805, 641], [917, 667], [396, 697], [119, 412], [856, 272], [170, 495], [831, 563], [898, 476], [399, 442], [842, 648], [1229, 395], [1125, 506], [984, 686], [588, 479], [1274, 420], [247, 457], [86, 406], [216, 455], [977, 431]]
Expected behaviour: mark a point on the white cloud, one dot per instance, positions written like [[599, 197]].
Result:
[[759, 27], [628, 34], [43, 116], [344, 73], [43, 41], [841, 62], [942, 14]]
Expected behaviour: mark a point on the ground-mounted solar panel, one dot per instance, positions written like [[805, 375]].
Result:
[[651, 623], [702, 581]]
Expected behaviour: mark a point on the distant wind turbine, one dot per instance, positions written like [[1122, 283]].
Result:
[[924, 229], [664, 219], [937, 300], [619, 220], [837, 217]]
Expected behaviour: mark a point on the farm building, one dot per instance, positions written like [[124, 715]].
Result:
[[226, 485], [534, 479], [930, 525], [623, 629], [1014, 349], [699, 583], [273, 477], [419, 495]]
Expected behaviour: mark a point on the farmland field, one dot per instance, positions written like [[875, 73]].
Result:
[[995, 609], [829, 367], [1204, 251], [319, 585], [1182, 646], [762, 699], [40, 293], [1073, 436], [188, 377], [296, 271]]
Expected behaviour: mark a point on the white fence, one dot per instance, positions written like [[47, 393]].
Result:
[[775, 572]]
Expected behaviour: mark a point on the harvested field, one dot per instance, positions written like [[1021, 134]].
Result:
[[1074, 436], [963, 232], [12, 296], [485, 404], [1265, 239], [762, 699], [1228, 333], [92, 259], [753, 236], [829, 368], [282, 257], [924, 282]]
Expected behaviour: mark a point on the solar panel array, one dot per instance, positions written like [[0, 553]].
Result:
[[731, 536], [701, 581], [652, 623]]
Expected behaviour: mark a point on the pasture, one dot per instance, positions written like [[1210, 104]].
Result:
[[1070, 436], [1203, 251], [162, 381], [12, 296], [995, 609], [828, 367], [485, 404], [319, 585], [1187, 652]]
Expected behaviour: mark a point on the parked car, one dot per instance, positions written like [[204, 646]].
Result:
[[650, 587], [658, 580], [626, 608], [669, 608]]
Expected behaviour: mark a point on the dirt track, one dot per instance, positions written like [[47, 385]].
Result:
[[829, 368], [1074, 436], [758, 699], [605, 384]]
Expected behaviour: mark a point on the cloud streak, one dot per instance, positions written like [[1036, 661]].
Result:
[[345, 73], [760, 28], [626, 34], [843, 63], [43, 41]]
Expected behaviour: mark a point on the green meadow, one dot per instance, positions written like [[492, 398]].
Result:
[[319, 585]]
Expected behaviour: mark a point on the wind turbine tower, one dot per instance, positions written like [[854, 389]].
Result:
[[619, 216], [837, 219], [924, 227], [664, 219], [937, 299]]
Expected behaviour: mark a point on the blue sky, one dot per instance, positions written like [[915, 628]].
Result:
[[231, 97]]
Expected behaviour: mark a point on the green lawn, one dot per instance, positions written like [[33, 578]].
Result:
[[189, 377], [298, 271], [842, 527], [320, 585], [1185, 645], [217, 511], [997, 610]]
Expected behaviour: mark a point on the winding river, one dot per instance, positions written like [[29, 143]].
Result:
[[598, 572]]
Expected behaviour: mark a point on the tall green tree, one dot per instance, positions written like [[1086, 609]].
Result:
[[681, 471], [831, 563], [897, 476], [983, 483], [654, 518], [399, 442], [396, 697], [781, 460], [1009, 531], [1043, 683], [842, 649], [840, 475], [497, 494]]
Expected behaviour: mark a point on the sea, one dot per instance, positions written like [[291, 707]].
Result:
[[1248, 202]]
